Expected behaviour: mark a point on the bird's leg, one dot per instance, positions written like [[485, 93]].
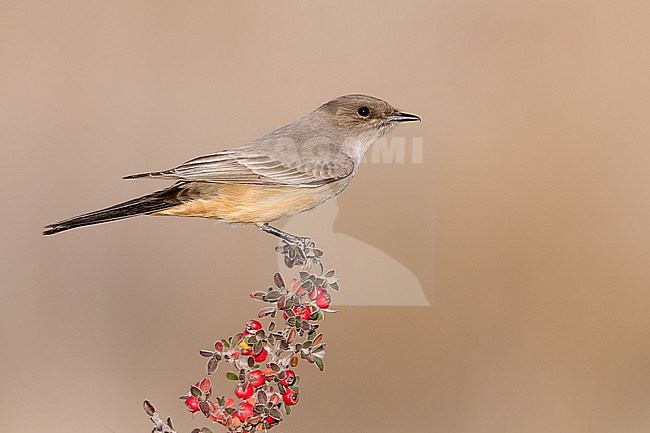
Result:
[[288, 237]]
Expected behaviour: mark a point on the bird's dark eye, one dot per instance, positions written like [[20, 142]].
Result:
[[363, 111]]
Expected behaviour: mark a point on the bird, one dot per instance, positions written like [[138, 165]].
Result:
[[290, 170]]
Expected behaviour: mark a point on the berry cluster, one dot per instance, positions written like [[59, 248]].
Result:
[[263, 357]]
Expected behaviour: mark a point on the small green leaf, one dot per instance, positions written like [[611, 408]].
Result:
[[292, 335], [273, 296], [205, 408], [266, 311], [319, 362], [258, 295], [232, 376], [237, 339], [195, 391], [257, 347], [300, 254], [206, 353], [261, 397], [278, 280], [213, 364], [149, 408]]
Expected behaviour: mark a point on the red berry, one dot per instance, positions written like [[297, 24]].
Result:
[[289, 397], [256, 378], [270, 420], [246, 352], [192, 404], [245, 411], [252, 326], [244, 393], [302, 312], [289, 378], [323, 300], [260, 357], [314, 293]]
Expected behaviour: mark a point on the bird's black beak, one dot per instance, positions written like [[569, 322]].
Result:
[[400, 116]]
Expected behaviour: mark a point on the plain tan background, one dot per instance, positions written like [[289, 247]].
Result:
[[527, 222]]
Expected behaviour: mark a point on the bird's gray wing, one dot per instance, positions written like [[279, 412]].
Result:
[[280, 165]]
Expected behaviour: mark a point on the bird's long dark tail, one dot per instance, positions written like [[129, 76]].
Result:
[[147, 204]]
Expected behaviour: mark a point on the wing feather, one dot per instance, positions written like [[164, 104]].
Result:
[[302, 166]]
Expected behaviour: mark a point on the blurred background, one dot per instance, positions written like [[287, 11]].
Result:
[[525, 224]]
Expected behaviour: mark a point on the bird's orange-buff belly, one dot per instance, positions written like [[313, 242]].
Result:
[[254, 203]]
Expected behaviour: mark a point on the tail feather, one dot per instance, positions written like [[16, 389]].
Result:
[[141, 175], [140, 206]]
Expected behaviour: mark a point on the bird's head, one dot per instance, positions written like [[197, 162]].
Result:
[[360, 120], [363, 114]]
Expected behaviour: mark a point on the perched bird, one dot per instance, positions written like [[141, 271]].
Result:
[[290, 170]]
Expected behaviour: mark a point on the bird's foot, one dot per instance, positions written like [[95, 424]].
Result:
[[303, 242], [297, 250]]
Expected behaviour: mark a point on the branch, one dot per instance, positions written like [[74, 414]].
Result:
[[264, 356]]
